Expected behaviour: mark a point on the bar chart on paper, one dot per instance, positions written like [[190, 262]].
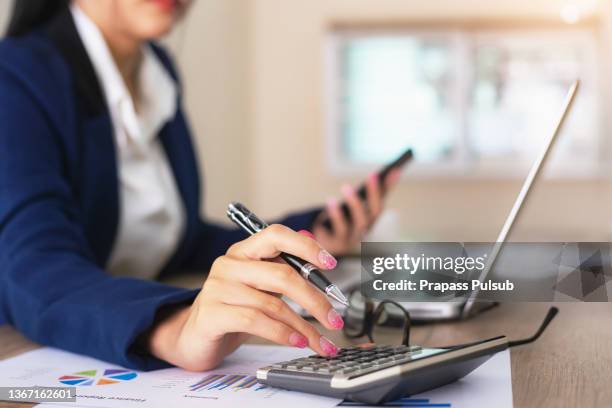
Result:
[[228, 382]]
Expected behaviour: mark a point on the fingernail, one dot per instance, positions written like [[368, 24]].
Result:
[[328, 347], [347, 190], [335, 319], [297, 340], [373, 177], [332, 203], [307, 233], [327, 259]]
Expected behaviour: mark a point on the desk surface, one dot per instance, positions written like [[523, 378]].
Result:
[[570, 366]]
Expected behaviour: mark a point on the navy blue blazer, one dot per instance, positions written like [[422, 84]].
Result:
[[59, 205]]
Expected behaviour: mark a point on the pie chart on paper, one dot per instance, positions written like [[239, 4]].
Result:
[[98, 377]]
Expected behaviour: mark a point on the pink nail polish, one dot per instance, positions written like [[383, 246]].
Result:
[[373, 177], [347, 190], [327, 259], [332, 203], [307, 233], [328, 347], [297, 340], [335, 319]]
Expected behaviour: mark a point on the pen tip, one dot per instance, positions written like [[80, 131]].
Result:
[[336, 294]]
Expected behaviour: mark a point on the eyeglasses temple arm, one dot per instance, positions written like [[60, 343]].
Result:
[[549, 318], [552, 312]]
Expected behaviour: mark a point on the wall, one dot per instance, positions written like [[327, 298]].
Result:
[[253, 71], [211, 51], [286, 77], [5, 9]]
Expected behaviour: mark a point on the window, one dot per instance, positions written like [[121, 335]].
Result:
[[468, 101]]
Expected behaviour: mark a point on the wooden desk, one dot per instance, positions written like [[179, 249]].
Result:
[[570, 366]]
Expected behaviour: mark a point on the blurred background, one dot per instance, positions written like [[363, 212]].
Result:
[[288, 99]]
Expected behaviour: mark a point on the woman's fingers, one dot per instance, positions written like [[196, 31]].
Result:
[[241, 319], [277, 238], [281, 278], [241, 295], [375, 202], [338, 221], [359, 214]]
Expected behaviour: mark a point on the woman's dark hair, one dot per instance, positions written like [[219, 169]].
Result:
[[30, 14]]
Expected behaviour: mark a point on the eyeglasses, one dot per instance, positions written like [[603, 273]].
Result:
[[370, 321], [383, 320]]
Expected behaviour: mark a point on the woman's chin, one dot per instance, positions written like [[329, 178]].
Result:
[[156, 18], [154, 29]]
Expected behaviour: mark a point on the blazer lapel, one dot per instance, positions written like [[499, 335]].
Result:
[[96, 185], [63, 33]]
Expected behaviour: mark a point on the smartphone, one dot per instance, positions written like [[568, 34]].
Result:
[[362, 191]]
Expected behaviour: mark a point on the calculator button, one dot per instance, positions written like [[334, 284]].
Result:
[[294, 366], [383, 360], [387, 365], [309, 369]]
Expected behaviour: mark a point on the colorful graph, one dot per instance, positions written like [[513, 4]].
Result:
[[98, 377], [232, 382]]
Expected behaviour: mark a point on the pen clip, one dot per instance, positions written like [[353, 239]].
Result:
[[245, 218]]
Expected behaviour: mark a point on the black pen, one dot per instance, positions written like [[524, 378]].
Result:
[[252, 224]]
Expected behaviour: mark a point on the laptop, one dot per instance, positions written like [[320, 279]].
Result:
[[425, 310]]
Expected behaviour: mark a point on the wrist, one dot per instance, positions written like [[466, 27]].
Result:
[[165, 334]]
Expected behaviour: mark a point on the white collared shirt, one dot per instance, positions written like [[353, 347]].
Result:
[[152, 216]]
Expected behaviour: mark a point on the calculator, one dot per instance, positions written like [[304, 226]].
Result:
[[375, 374]]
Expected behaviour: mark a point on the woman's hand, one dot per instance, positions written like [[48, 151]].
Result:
[[241, 298], [345, 235]]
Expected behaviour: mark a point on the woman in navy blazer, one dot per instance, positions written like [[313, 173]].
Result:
[[60, 211]]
